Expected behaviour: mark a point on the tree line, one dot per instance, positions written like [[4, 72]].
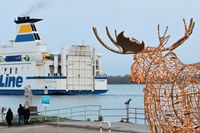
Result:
[[119, 79]]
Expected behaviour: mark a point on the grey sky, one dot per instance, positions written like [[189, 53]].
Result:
[[68, 22]]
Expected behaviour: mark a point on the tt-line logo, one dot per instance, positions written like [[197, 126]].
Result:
[[11, 81]]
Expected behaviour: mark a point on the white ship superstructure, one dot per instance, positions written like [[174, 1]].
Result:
[[25, 61]]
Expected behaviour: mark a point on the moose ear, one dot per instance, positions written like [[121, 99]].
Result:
[[128, 44]]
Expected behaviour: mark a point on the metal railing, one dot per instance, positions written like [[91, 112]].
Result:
[[90, 113], [87, 112], [95, 113], [136, 115]]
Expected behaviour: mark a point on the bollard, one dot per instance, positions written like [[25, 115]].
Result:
[[109, 126]]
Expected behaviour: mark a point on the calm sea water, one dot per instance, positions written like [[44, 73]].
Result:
[[114, 98]]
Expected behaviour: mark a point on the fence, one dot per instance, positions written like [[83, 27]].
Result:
[[136, 115], [91, 113], [87, 112], [95, 113]]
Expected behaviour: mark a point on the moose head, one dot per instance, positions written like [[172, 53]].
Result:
[[145, 56]]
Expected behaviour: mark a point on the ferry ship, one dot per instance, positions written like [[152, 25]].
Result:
[[26, 63]]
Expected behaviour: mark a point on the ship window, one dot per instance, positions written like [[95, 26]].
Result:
[[59, 69], [15, 70], [10, 70], [51, 70]]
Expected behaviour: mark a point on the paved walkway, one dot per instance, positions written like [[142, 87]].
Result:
[[44, 129], [115, 126], [75, 127]]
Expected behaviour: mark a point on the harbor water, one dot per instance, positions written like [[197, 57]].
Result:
[[114, 98]]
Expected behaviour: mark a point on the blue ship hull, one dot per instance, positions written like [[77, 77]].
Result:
[[53, 92]]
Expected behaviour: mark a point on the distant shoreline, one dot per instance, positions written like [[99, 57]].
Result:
[[120, 80], [126, 84]]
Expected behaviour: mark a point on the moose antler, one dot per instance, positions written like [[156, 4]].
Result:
[[163, 39], [112, 39], [124, 44], [104, 44], [131, 45], [188, 32]]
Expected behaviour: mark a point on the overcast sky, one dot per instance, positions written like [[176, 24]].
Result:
[[69, 22]]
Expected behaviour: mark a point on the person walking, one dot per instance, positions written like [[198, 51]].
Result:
[[26, 115], [9, 117], [20, 112]]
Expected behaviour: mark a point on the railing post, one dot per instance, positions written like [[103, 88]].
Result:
[[71, 114], [41, 117], [2, 117], [58, 116], [99, 113], [135, 115], [85, 112], [45, 113]]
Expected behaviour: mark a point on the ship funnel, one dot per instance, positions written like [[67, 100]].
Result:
[[26, 19], [26, 30]]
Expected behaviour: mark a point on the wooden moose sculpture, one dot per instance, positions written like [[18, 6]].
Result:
[[172, 93]]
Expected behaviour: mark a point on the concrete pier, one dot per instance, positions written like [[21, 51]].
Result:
[[76, 127]]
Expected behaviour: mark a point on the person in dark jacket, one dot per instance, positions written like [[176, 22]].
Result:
[[20, 112], [9, 117], [26, 115]]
